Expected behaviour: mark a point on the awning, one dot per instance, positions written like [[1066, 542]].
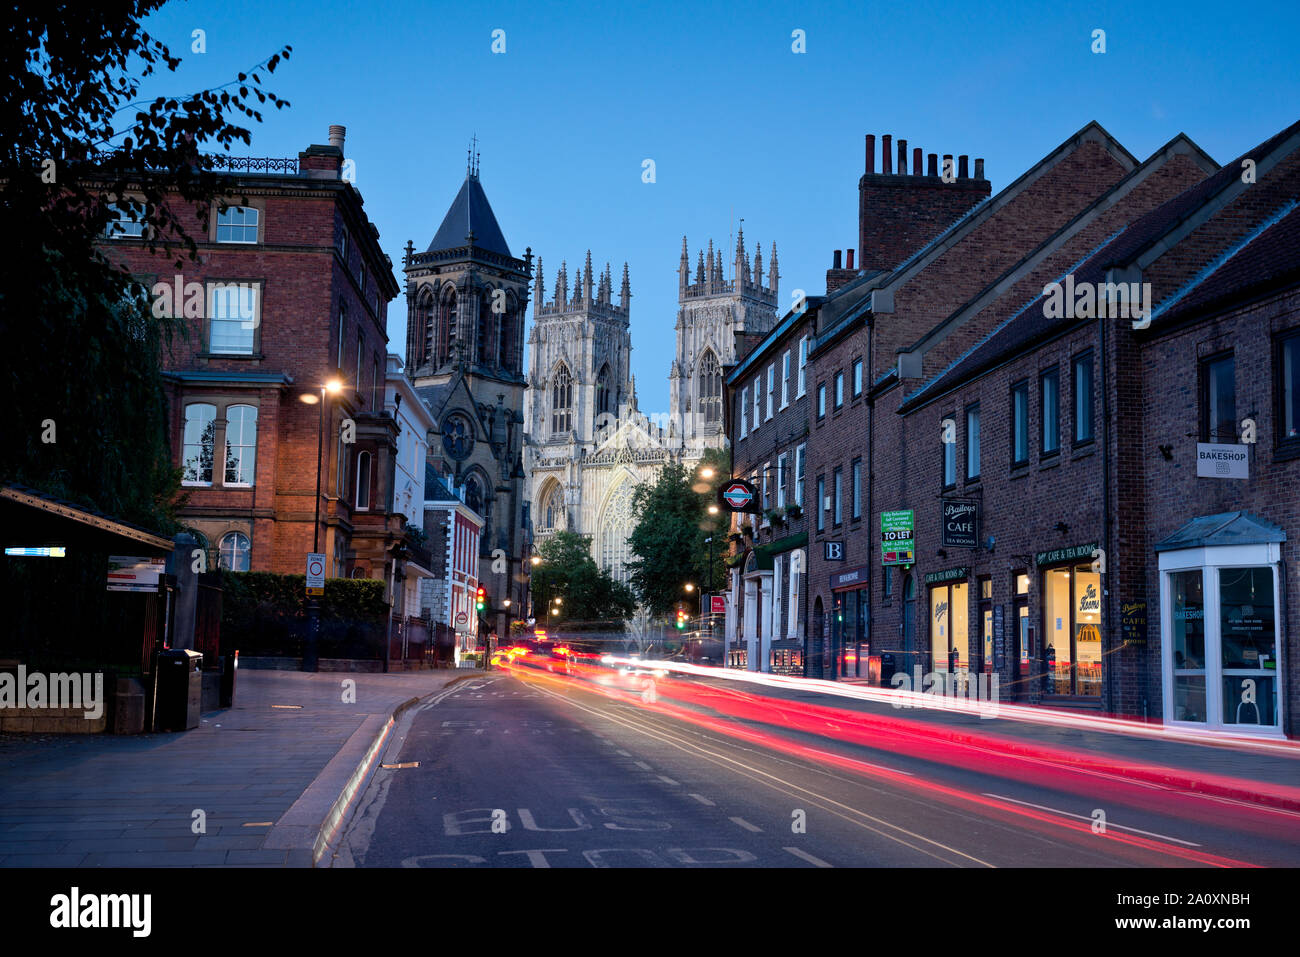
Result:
[[1226, 528], [766, 553]]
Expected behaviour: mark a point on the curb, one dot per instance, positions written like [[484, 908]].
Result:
[[360, 774]]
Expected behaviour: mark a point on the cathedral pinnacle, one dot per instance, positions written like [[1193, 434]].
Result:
[[625, 294]]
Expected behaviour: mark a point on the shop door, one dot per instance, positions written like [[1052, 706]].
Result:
[[909, 625]]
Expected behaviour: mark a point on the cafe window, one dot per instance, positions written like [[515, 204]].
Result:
[[1072, 630], [1219, 400], [1022, 621], [949, 626], [986, 619], [1222, 621]]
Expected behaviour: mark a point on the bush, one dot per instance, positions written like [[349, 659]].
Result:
[[265, 615]]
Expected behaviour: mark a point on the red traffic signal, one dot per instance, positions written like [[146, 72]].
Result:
[[480, 598]]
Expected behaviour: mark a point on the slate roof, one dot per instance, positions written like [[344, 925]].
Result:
[[470, 210], [1262, 253], [1226, 528]]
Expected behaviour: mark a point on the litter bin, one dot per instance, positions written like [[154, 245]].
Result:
[[180, 690], [229, 669], [887, 668]]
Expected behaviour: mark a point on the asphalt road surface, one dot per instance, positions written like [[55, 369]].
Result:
[[530, 769]]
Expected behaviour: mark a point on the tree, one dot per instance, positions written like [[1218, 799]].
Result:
[[82, 390], [592, 598], [673, 522]]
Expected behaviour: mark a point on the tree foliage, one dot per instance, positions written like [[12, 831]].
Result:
[[673, 522], [591, 597], [83, 395]]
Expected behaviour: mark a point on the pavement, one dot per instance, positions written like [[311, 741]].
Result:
[[263, 783]]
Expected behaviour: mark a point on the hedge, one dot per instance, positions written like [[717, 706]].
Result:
[[264, 614]]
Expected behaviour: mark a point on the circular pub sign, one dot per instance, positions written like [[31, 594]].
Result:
[[738, 495]]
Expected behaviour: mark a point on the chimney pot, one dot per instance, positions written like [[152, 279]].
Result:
[[916, 161], [871, 152], [835, 263], [963, 167], [886, 160], [849, 264], [337, 134], [902, 157], [932, 168], [979, 169], [947, 167]]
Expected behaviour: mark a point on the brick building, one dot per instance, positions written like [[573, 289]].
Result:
[[290, 291], [767, 403]]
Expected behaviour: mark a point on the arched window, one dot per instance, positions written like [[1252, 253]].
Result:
[[200, 432], [604, 393], [562, 401], [424, 319], [505, 356], [474, 494], [363, 481], [617, 521], [233, 552], [551, 512], [241, 444], [710, 386], [444, 327], [486, 327]]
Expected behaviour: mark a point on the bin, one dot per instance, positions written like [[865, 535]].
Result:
[[887, 668], [229, 670], [180, 690]]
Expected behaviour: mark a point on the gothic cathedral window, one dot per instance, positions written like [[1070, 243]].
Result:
[[562, 401], [604, 397], [710, 388]]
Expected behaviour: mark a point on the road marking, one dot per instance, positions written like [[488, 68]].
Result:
[[866, 764], [746, 825], [667, 780], [643, 766], [1083, 817], [703, 800], [814, 861], [404, 764], [626, 754]]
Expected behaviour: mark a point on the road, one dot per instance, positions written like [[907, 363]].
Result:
[[531, 769]]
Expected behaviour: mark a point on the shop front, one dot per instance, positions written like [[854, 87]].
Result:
[[1072, 622], [850, 604], [1220, 621], [950, 648]]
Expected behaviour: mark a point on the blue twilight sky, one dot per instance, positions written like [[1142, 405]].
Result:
[[738, 125]]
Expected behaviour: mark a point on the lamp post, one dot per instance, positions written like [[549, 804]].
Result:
[[332, 387]]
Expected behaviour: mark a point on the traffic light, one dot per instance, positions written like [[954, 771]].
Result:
[[681, 617], [480, 598]]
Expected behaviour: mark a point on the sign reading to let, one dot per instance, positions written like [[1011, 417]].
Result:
[[897, 541]]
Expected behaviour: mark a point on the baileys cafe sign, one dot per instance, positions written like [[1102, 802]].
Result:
[[1057, 555]]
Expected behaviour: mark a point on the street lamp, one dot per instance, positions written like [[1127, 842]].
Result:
[[331, 387]]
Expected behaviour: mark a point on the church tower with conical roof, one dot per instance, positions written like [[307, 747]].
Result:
[[466, 299]]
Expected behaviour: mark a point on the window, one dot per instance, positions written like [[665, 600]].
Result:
[[233, 551], [361, 345], [710, 388], [948, 445], [771, 388], [838, 484], [767, 488], [1083, 398], [1072, 630], [949, 627], [343, 315], [972, 442], [562, 401], [857, 489], [1287, 388], [821, 503], [124, 225], [363, 481], [758, 402], [343, 244], [605, 396], [361, 278], [241, 444], [1020, 423], [744, 411], [857, 378], [799, 462], [1049, 388], [839, 389], [234, 313], [237, 224], [785, 379], [803, 363], [781, 461], [821, 400], [374, 385], [1218, 400], [198, 443]]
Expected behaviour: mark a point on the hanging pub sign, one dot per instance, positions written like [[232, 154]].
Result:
[[897, 541], [961, 523]]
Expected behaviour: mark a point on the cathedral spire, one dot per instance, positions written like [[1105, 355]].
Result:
[[718, 269], [539, 288], [684, 269], [562, 286], [699, 268], [709, 278], [625, 294], [758, 265], [586, 281], [772, 274]]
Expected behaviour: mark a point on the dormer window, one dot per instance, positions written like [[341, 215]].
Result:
[[237, 224]]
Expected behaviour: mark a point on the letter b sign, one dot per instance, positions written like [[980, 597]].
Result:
[[834, 551]]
